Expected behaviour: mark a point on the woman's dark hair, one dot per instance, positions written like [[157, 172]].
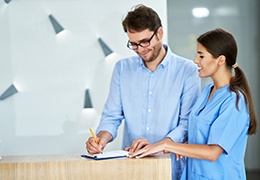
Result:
[[220, 42], [140, 18]]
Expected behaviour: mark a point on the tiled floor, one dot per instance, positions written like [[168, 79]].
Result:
[[253, 175]]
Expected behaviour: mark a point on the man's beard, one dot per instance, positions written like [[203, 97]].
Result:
[[155, 53]]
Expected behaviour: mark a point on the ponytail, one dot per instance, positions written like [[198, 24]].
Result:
[[238, 84]]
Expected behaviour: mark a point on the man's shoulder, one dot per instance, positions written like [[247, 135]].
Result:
[[129, 61], [182, 61]]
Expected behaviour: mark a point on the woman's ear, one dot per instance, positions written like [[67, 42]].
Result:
[[221, 60]]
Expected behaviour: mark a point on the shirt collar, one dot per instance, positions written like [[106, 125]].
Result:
[[166, 57]]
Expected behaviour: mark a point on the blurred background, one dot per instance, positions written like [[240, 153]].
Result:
[[49, 73], [188, 19]]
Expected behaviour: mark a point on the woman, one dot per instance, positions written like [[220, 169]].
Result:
[[221, 119]]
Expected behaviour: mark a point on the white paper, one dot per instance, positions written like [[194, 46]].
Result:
[[108, 154]]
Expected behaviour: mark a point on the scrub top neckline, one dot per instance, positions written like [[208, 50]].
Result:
[[206, 101]]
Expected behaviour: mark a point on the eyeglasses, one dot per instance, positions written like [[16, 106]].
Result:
[[144, 43]]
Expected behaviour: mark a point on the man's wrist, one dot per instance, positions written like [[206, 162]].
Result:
[[105, 136]]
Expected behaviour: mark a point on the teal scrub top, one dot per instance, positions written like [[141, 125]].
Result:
[[218, 121]]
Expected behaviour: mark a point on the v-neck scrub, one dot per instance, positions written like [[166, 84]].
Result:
[[218, 121]]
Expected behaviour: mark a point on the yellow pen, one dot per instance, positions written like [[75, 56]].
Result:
[[94, 136]]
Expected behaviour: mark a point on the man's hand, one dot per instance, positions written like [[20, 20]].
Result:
[[137, 144], [151, 149], [103, 138]]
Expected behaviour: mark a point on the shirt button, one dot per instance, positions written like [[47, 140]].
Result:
[[149, 110], [147, 128], [150, 92]]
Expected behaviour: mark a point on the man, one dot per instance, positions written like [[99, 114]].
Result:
[[153, 92]]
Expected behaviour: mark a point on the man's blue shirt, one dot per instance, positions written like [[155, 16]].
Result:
[[155, 104]]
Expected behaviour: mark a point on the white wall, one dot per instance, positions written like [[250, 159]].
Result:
[[52, 71]]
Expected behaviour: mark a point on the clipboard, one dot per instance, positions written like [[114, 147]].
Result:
[[107, 155]]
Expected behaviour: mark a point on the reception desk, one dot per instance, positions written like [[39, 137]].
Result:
[[70, 167]]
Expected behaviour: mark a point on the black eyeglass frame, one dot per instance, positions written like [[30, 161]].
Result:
[[130, 45]]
